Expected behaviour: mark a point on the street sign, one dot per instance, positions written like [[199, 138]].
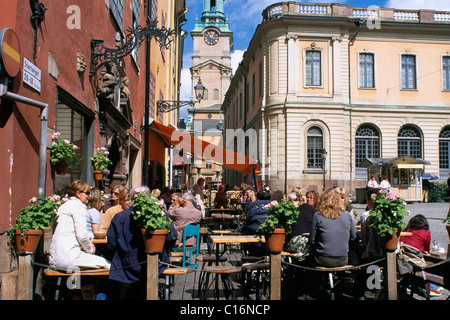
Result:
[[10, 51], [257, 171], [31, 75]]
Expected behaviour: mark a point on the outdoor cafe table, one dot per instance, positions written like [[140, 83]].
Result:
[[234, 238]]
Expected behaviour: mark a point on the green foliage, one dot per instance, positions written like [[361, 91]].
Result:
[[38, 215], [100, 159], [279, 215], [75, 161], [148, 213], [389, 213], [438, 192], [61, 150]]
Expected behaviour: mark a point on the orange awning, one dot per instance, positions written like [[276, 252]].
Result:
[[206, 150]]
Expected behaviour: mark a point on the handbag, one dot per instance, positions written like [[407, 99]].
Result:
[[408, 258]]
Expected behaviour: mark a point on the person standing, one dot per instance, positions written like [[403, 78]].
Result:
[[372, 183], [71, 245]]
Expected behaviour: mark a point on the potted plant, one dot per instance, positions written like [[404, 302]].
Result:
[[75, 164], [185, 186], [31, 222], [100, 161], [152, 221], [279, 221], [389, 212], [61, 150]]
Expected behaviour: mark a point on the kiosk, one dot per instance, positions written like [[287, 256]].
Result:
[[404, 174]]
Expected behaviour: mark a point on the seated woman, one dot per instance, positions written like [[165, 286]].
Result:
[[421, 235], [128, 272], [333, 228], [221, 201], [71, 245], [94, 211]]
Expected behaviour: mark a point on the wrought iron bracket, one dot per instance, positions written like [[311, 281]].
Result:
[[101, 55], [37, 16], [169, 105]]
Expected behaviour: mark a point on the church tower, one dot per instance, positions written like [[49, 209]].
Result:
[[211, 63], [211, 58]]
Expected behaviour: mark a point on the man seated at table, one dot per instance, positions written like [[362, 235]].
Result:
[[255, 215], [183, 215]]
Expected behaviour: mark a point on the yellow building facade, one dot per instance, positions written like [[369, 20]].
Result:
[[357, 83]]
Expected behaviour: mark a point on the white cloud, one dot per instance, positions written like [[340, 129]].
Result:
[[236, 58], [438, 5]]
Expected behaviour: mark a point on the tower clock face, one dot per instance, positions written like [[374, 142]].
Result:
[[211, 37]]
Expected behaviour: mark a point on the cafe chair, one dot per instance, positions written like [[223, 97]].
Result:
[[437, 272], [169, 275], [255, 274], [224, 272], [189, 261], [207, 261]]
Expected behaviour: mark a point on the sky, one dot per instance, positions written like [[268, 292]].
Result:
[[243, 27]]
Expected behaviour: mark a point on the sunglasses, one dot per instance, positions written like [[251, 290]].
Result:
[[86, 192]]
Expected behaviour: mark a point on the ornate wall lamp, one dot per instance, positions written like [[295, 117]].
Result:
[[169, 105]]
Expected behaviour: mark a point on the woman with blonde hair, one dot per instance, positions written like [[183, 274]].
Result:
[[94, 211], [71, 245], [333, 228]]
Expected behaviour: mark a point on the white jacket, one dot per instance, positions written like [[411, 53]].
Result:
[[71, 244]]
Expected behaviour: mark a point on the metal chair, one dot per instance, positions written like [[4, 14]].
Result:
[[190, 230]]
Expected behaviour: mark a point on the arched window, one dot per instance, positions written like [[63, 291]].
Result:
[[315, 147], [216, 94], [409, 142], [444, 152], [367, 144]]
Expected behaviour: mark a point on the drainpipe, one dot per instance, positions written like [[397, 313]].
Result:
[[359, 24], [43, 135]]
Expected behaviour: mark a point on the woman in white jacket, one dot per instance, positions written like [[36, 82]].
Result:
[[71, 245]]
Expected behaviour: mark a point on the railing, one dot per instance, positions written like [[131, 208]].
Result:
[[312, 9], [406, 15], [340, 10]]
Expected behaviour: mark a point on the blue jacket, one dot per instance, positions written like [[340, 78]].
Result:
[[125, 240], [255, 215]]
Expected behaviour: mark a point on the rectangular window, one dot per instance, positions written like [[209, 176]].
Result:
[[253, 88], [260, 79], [366, 70], [314, 152], [446, 73], [409, 72], [313, 68], [116, 7], [135, 21]]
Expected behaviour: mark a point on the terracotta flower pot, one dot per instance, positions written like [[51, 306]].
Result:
[[275, 240], [98, 174], [154, 240], [390, 242], [61, 168], [28, 242]]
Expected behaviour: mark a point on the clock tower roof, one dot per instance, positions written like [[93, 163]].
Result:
[[212, 16]]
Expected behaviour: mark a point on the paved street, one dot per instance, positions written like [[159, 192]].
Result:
[[186, 285]]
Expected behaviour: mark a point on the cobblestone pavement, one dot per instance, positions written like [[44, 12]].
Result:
[[185, 287]]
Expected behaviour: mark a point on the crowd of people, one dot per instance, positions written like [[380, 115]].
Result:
[[85, 213], [325, 228]]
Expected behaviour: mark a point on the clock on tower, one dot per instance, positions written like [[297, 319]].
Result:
[[211, 37]]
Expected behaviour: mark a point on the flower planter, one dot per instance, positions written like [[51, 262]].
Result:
[[154, 240], [61, 168], [448, 230], [98, 174], [275, 240], [28, 242], [390, 242]]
